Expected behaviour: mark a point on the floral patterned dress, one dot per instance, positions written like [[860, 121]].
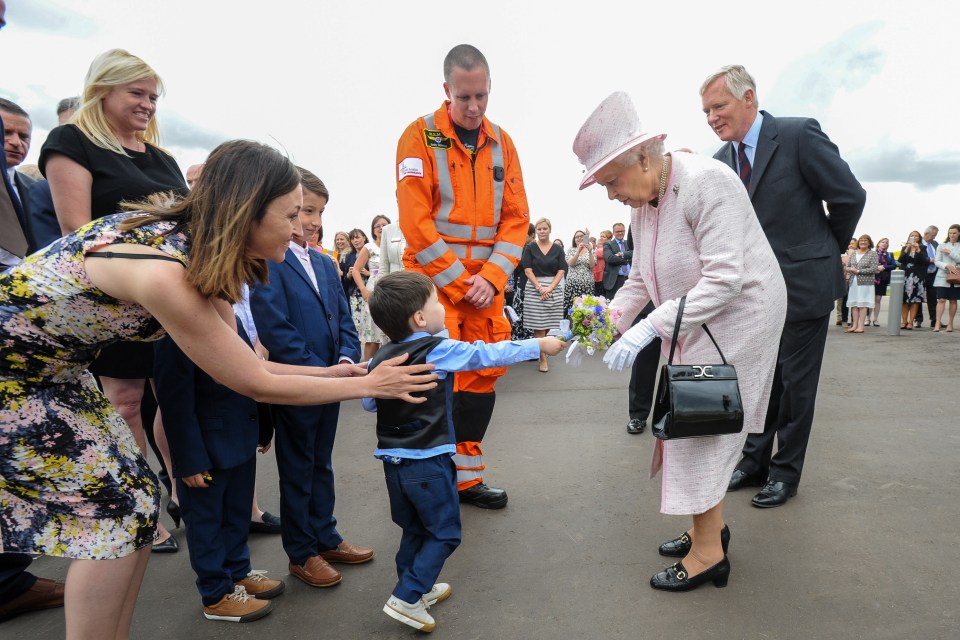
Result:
[[72, 480], [366, 328], [579, 280]]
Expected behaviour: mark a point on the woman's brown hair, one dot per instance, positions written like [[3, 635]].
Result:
[[240, 179]]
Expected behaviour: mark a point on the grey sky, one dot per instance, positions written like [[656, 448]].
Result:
[[335, 84]]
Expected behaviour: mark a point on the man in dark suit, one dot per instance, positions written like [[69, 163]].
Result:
[[303, 318], [617, 257], [930, 245], [790, 168], [643, 374], [16, 236]]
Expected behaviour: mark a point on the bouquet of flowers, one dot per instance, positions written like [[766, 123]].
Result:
[[593, 323]]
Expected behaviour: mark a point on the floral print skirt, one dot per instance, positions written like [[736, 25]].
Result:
[[73, 482]]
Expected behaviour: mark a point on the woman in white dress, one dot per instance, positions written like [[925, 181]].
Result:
[[392, 245], [369, 259], [862, 267]]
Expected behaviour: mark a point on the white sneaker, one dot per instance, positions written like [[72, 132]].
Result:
[[440, 592], [414, 615]]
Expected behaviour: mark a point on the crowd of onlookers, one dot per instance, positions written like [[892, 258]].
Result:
[[931, 279]]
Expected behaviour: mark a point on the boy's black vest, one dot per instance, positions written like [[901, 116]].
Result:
[[401, 425]]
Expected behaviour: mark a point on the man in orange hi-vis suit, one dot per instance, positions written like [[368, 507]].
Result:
[[463, 211]]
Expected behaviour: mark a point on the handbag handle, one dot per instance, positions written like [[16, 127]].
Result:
[[676, 333]]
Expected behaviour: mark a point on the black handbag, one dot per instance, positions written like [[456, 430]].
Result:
[[695, 400]]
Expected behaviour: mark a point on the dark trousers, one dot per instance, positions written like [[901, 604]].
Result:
[[616, 287], [643, 375], [218, 523], [15, 580], [424, 503], [304, 462], [931, 299], [792, 402]]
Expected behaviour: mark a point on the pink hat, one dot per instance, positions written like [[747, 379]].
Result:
[[612, 129]]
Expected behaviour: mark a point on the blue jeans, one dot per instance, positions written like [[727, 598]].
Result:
[[424, 503]]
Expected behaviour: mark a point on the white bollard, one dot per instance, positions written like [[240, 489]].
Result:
[[896, 302]]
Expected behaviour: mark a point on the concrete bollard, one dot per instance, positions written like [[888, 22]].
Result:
[[896, 302]]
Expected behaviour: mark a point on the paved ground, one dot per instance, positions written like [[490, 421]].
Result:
[[864, 551]]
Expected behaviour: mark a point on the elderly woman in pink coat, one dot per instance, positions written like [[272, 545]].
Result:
[[695, 235]]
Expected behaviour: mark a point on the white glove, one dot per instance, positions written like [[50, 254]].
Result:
[[623, 352], [574, 354]]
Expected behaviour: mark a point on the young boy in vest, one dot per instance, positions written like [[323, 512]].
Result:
[[416, 441]]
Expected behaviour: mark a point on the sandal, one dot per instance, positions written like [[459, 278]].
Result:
[[876, 324]]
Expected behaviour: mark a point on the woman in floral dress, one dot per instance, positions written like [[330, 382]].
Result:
[[581, 258], [73, 482], [368, 259]]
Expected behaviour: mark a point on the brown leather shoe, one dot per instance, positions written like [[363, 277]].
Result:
[[44, 594], [316, 572], [258, 585], [348, 554]]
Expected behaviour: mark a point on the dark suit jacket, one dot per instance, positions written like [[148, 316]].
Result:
[[613, 262], [796, 169], [43, 218], [299, 326], [24, 184], [17, 202], [208, 425]]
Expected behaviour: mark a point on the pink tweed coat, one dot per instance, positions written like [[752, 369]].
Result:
[[704, 241]]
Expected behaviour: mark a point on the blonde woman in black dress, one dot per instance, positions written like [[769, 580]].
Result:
[[544, 264]]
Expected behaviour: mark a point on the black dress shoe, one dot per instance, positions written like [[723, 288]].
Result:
[[636, 425], [480, 495], [774, 494], [270, 524], [741, 479], [167, 546], [174, 510], [675, 578], [679, 547]]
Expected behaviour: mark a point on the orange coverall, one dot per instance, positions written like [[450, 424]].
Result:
[[462, 215]]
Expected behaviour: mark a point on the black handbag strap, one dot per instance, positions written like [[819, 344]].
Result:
[[676, 333]]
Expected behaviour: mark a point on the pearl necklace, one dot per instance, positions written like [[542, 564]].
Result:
[[664, 169]]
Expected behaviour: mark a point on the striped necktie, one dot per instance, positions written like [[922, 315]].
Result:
[[745, 168]]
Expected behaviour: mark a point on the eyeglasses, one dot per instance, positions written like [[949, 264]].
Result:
[[380, 226]]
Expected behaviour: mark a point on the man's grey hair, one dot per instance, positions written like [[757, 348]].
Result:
[[652, 148], [737, 79], [67, 104], [932, 229], [13, 108], [466, 57]]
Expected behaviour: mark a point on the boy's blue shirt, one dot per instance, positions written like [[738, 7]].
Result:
[[453, 356]]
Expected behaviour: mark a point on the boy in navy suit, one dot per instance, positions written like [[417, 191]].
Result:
[[416, 441], [303, 318], [213, 434]]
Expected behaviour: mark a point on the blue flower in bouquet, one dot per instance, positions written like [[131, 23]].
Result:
[[592, 323]]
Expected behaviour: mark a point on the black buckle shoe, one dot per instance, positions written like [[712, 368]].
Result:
[[774, 494], [636, 425], [741, 479], [480, 495], [679, 547], [675, 578]]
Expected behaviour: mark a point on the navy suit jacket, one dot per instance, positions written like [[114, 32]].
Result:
[[208, 425], [299, 326], [43, 218], [795, 170]]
